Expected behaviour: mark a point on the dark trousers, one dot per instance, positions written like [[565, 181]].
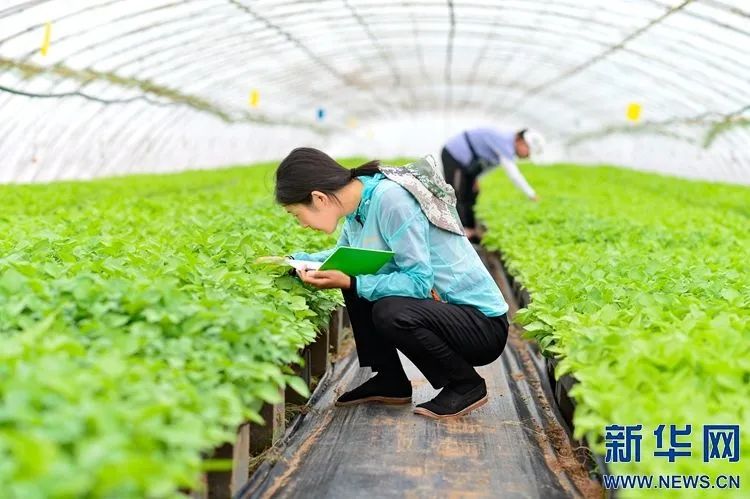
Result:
[[463, 184], [443, 340]]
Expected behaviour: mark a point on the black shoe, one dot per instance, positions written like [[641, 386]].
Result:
[[451, 403], [378, 389], [475, 239]]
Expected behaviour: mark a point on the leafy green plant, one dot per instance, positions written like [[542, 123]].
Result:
[[640, 285], [136, 332]]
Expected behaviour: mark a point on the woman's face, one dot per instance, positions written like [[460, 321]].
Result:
[[522, 148], [321, 214]]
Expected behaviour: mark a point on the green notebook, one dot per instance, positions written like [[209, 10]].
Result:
[[357, 261]]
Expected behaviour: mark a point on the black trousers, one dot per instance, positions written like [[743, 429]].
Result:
[[463, 184], [443, 340]]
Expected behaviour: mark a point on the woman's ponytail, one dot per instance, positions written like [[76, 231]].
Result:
[[306, 169], [366, 170]]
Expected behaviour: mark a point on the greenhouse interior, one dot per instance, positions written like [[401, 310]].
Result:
[[210, 288]]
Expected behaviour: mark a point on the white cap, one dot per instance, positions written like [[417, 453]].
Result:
[[535, 141]]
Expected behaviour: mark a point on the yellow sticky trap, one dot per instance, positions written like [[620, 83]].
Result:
[[254, 98], [633, 113], [47, 38]]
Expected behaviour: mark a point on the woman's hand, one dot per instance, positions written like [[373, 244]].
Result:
[[325, 279]]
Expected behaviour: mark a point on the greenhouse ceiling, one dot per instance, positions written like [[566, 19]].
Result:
[[91, 87]]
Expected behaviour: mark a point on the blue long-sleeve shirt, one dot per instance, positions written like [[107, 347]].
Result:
[[425, 256], [496, 146]]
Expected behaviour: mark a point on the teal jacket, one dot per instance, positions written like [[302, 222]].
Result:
[[426, 257]]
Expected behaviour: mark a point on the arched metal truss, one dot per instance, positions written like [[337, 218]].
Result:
[[153, 85]]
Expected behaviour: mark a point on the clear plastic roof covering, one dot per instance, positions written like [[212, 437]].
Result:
[[100, 87]]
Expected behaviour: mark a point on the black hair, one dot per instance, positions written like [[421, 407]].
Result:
[[306, 169], [520, 133]]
